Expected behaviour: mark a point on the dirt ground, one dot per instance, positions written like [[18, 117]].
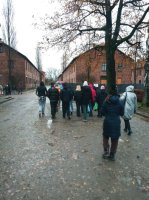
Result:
[[62, 159]]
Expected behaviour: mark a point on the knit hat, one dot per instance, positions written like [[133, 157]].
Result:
[[113, 89], [102, 87], [130, 88], [85, 83]]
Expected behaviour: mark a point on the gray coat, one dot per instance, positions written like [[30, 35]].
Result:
[[131, 102]]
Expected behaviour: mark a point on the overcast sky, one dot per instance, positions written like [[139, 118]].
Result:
[[27, 35]]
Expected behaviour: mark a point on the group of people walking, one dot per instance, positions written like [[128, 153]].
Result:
[[112, 106]]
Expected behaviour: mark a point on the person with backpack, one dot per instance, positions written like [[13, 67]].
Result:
[[100, 97], [86, 99], [53, 95], [65, 96], [78, 99]]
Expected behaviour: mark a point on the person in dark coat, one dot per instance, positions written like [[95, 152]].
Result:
[[71, 100], [53, 95], [86, 99], [112, 110], [100, 97], [41, 92], [78, 99], [65, 96]]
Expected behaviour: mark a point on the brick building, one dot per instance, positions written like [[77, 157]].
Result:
[[23, 73], [138, 72], [91, 66]]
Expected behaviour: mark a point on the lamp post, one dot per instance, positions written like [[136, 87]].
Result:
[[146, 76]]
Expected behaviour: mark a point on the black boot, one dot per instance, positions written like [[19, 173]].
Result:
[[129, 132], [125, 129], [111, 156], [105, 155]]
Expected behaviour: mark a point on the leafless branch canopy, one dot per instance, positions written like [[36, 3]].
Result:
[[9, 33], [80, 23]]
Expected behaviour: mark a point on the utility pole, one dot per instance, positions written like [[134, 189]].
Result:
[[146, 76]]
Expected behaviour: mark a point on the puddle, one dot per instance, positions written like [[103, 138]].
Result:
[[49, 123]]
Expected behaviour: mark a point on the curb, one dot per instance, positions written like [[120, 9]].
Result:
[[142, 114]]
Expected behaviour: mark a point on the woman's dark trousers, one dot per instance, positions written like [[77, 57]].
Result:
[[127, 126], [78, 105], [106, 146], [53, 108], [65, 108]]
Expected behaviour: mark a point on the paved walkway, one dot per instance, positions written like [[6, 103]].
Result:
[[5, 98]]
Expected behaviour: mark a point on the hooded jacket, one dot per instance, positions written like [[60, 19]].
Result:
[[112, 110], [93, 93], [130, 106]]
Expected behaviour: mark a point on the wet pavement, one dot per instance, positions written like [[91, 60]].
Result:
[[61, 159]]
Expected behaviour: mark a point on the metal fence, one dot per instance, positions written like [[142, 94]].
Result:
[[121, 88]]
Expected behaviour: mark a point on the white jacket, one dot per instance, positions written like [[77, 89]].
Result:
[[131, 102]]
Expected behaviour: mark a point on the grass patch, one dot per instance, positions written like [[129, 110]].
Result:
[[143, 108]]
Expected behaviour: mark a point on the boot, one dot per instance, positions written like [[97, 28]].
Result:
[[129, 132], [105, 155], [40, 115], [111, 156]]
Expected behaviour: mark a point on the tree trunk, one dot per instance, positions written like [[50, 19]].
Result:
[[110, 48], [146, 83], [111, 74], [146, 96]]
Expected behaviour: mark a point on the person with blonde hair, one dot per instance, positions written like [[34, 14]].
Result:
[[78, 99]]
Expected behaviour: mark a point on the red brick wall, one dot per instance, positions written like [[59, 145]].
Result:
[[94, 59], [24, 74]]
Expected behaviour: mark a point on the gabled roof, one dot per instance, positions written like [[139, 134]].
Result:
[[97, 48], [17, 52]]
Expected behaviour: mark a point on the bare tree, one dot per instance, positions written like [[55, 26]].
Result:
[[38, 58], [111, 21], [52, 74], [9, 32], [9, 35]]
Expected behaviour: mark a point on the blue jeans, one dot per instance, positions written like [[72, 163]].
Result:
[[42, 102], [71, 106]]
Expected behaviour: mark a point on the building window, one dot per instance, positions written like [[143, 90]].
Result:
[[139, 72], [138, 65], [103, 67], [119, 65], [119, 81], [103, 80]]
